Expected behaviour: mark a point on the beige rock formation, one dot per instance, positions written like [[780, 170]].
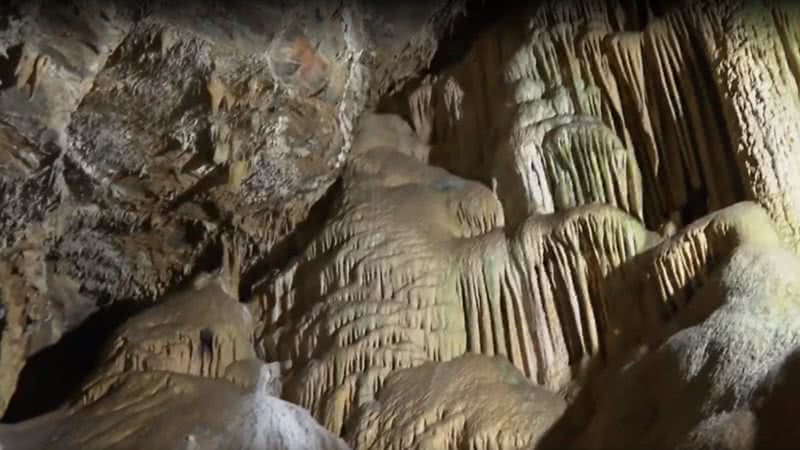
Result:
[[163, 410], [180, 375], [414, 266], [714, 376], [471, 402], [377, 289], [200, 331], [660, 283], [701, 99], [469, 266], [137, 142], [557, 295]]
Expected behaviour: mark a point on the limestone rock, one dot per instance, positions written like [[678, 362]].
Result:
[[162, 410], [38, 305], [376, 290], [650, 290], [198, 331], [424, 249], [471, 402], [180, 375], [715, 376], [414, 266], [140, 144], [54, 50], [701, 121]]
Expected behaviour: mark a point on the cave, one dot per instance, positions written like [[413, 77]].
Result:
[[442, 225]]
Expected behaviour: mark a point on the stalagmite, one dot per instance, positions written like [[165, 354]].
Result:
[[200, 331], [413, 267]]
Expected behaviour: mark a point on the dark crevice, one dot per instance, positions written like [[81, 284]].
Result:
[[479, 16], [710, 95], [696, 205], [206, 341], [8, 66], [208, 261], [54, 375]]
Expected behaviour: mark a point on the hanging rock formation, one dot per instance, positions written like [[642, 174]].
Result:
[[685, 102], [305, 225], [137, 142], [413, 267]]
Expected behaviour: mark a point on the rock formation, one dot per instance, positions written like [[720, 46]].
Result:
[[469, 402], [327, 226], [181, 375], [139, 141], [716, 378]]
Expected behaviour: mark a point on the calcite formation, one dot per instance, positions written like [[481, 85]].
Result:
[[139, 142], [201, 331], [191, 360], [717, 376], [678, 96], [414, 266], [345, 225], [469, 402]]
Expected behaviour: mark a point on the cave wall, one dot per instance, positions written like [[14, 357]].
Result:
[[310, 225]]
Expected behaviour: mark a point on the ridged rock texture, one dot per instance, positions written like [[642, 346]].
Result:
[[180, 377], [470, 402], [140, 141], [331, 225]]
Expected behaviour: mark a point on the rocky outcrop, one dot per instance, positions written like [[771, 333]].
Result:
[[469, 402], [376, 290], [717, 378], [406, 272], [180, 375], [200, 331], [580, 234], [162, 410], [37, 306], [141, 143]]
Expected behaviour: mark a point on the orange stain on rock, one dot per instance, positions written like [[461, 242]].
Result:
[[312, 66]]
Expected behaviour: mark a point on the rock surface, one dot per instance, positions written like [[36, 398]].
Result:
[[717, 378], [180, 375], [140, 143], [306, 225], [471, 402], [160, 410]]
